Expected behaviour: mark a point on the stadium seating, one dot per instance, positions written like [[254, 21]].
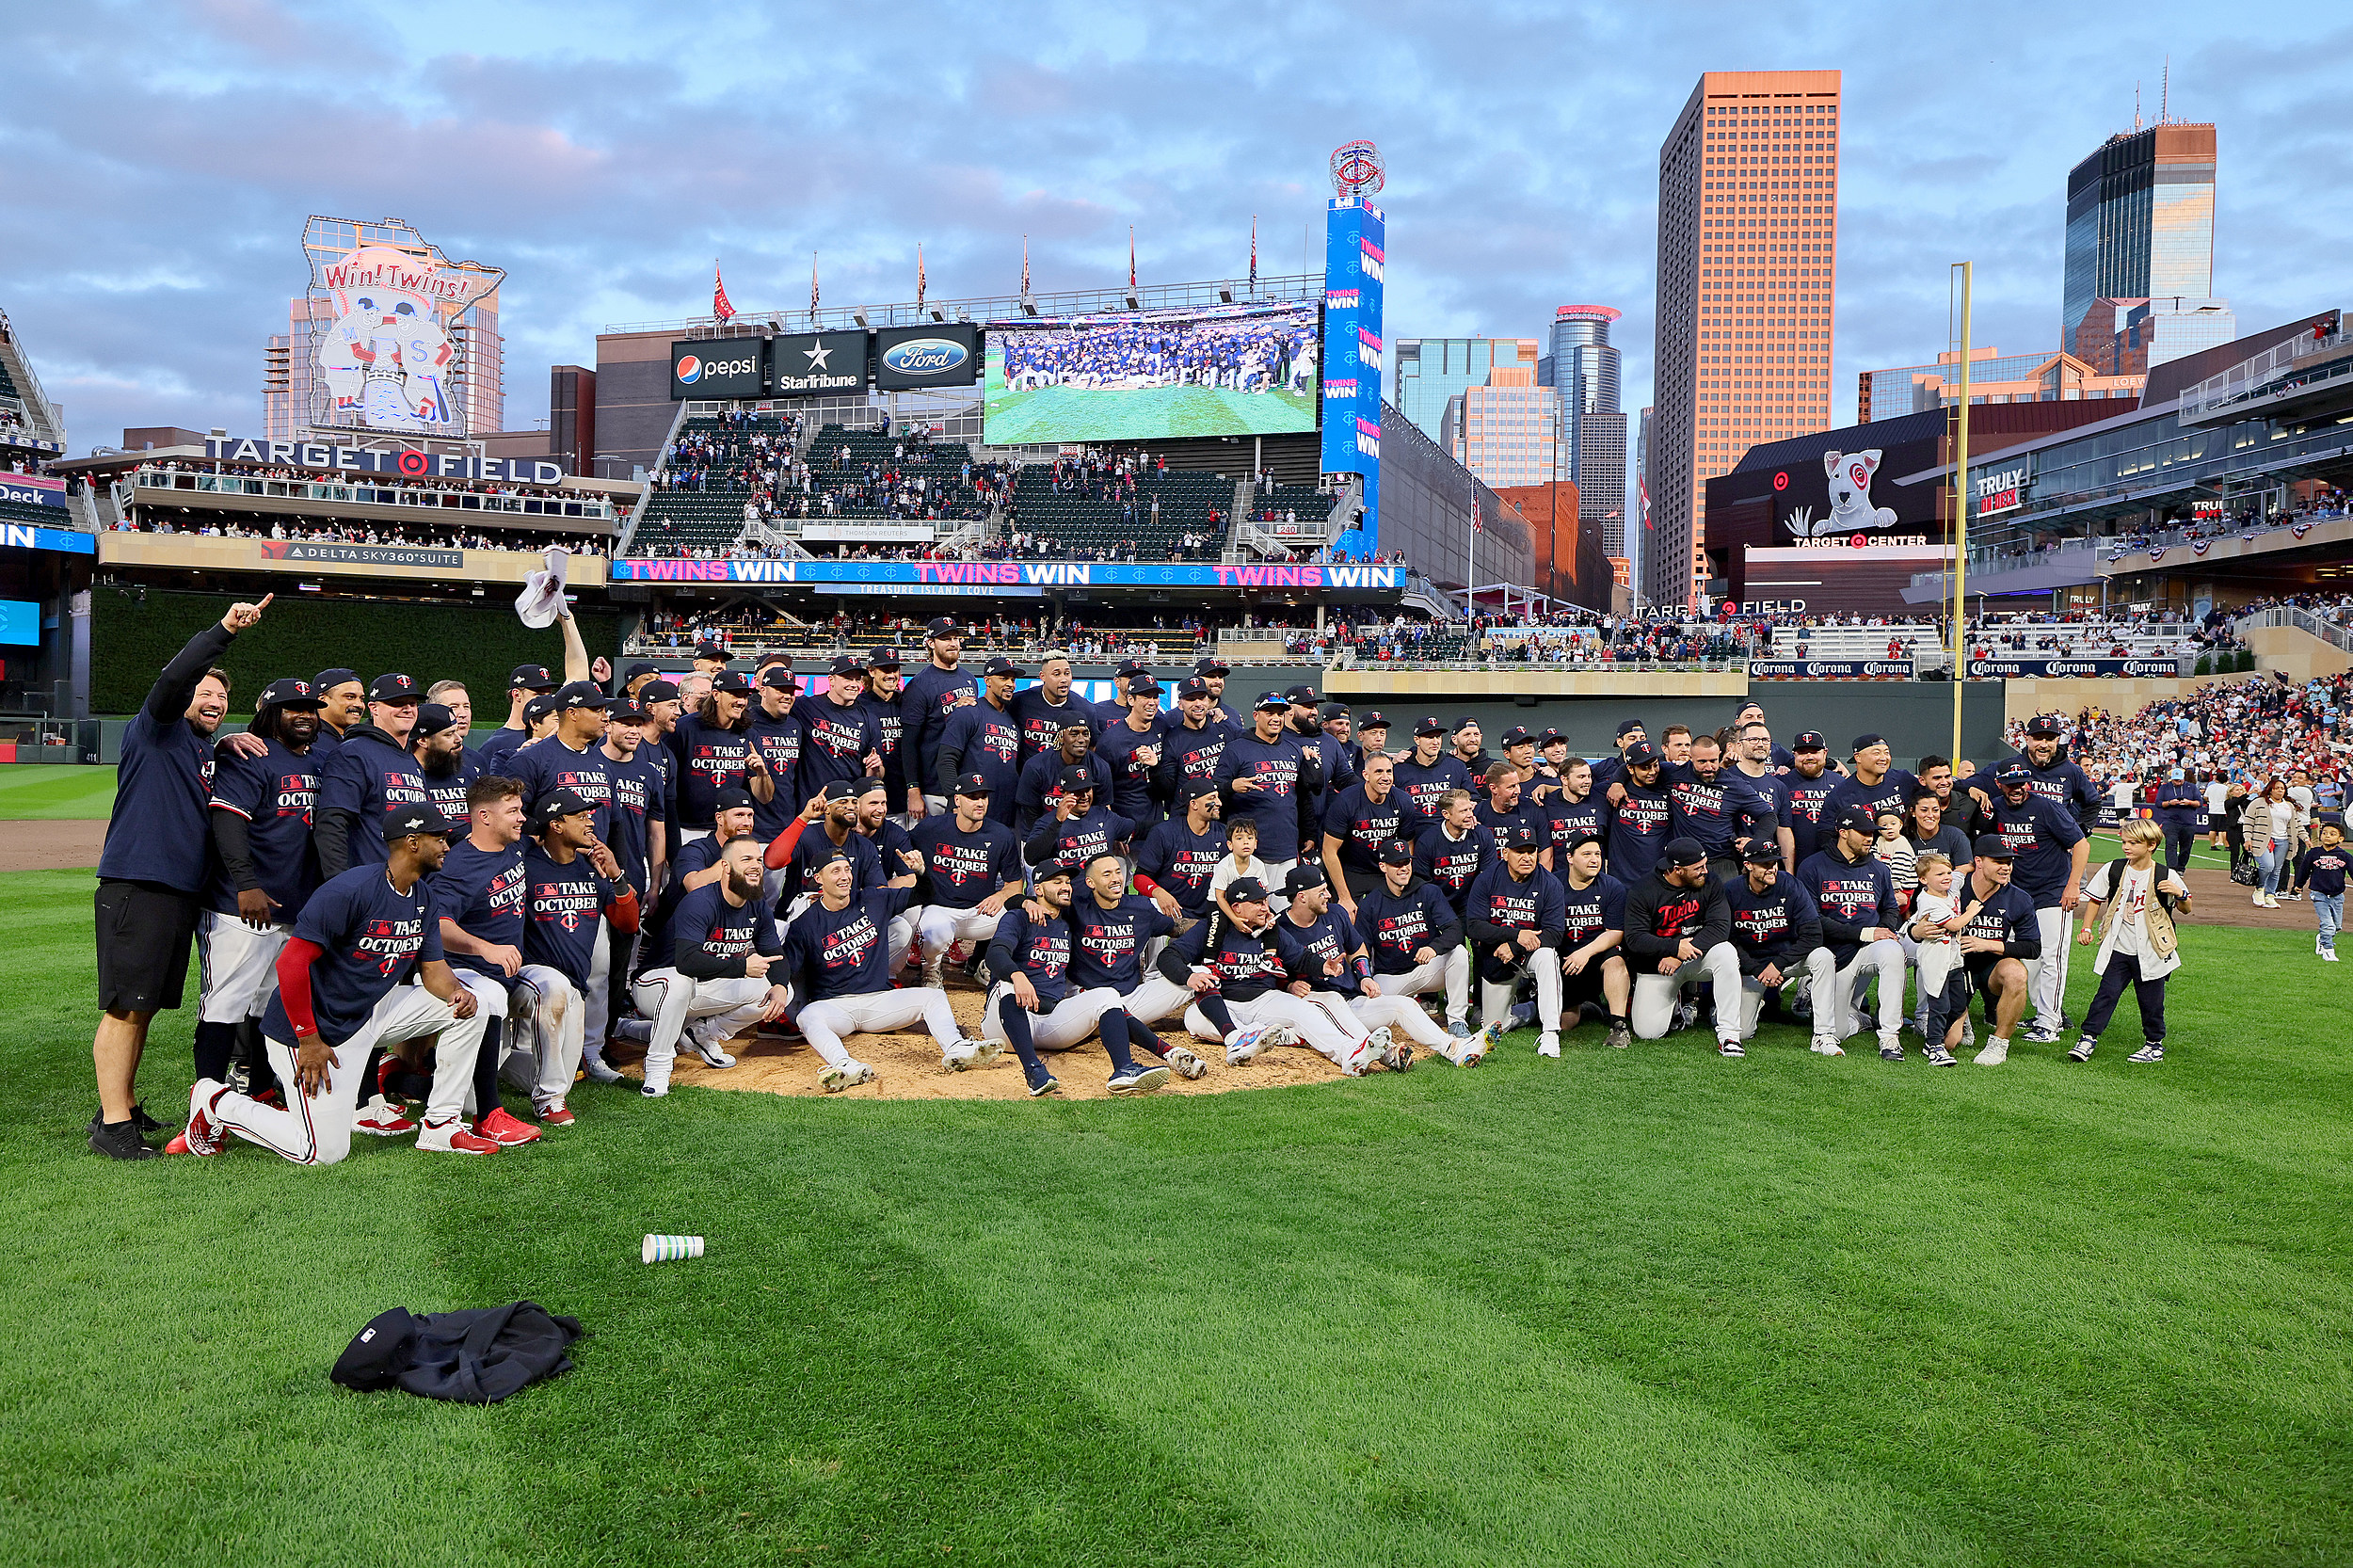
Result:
[[27, 511], [8, 382], [941, 464], [1077, 524], [688, 520], [1306, 501]]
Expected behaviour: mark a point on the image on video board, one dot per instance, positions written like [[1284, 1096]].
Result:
[[1239, 370]]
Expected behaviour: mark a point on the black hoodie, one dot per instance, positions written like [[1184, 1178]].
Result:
[[366, 777]]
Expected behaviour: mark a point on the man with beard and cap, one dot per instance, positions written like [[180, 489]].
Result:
[[1073, 748], [885, 704], [1360, 819], [726, 970], [1414, 938], [527, 681], [1306, 726], [837, 951], [1855, 897], [938, 687], [372, 771], [1428, 773], [797, 851], [363, 969], [1329, 965], [1468, 747], [572, 758], [1678, 933], [1777, 930], [2050, 774], [2050, 856], [1630, 734], [575, 891], [343, 707], [971, 867], [1076, 826], [715, 753], [840, 740], [1809, 780], [1638, 813], [439, 744], [1716, 804], [1266, 776], [1130, 748], [1034, 1006], [1340, 726], [1240, 997], [1176, 861], [776, 736], [453, 696], [1046, 709], [265, 871], [1515, 916], [982, 738], [1211, 672], [1192, 738]]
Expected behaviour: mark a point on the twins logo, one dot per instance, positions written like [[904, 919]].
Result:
[[1004, 745], [1679, 918]]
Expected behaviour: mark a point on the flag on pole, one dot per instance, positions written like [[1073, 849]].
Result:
[[1025, 266], [919, 278], [1131, 256], [719, 306], [812, 288], [1254, 253], [1642, 489], [1475, 523]]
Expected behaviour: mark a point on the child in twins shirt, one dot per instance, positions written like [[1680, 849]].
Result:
[[1895, 852], [1242, 859], [1937, 921]]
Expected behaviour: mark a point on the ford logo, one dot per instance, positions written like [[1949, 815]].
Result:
[[924, 356]]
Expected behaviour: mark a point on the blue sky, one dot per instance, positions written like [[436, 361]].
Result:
[[160, 160]]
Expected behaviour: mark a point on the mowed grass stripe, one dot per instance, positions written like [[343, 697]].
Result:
[[43, 791]]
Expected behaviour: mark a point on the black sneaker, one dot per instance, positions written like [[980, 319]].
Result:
[[1891, 1053], [147, 1125], [1040, 1082], [1621, 1036], [121, 1141]]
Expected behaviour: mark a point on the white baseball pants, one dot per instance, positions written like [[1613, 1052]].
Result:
[[1495, 1000], [1156, 997], [2047, 985], [239, 966], [559, 1022], [671, 999], [1652, 1011], [316, 1129], [1821, 971], [824, 1023], [1449, 972], [937, 926], [1882, 959], [1317, 1029], [1069, 1022], [1399, 1013]]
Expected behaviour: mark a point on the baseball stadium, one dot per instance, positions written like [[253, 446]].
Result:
[[1030, 929]]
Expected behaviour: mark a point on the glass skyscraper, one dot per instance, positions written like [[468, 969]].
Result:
[[1583, 369], [1430, 373], [2140, 223]]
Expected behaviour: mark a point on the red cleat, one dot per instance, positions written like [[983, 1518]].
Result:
[[383, 1119], [503, 1129], [451, 1137], [559, 1114]]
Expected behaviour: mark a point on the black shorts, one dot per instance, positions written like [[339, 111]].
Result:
[[1578, 989], [144, 929]]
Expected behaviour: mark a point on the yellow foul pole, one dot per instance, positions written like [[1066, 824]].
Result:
[[1961, 498]]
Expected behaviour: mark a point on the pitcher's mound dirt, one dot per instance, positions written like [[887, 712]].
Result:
[[906, 1066]]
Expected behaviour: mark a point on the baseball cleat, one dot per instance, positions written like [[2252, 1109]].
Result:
[[1824, 1045], [1245, 1044], [711, 1053], [1398, 1055], [1891, 1052], [1184, 1063], [1040, 1082], [1730, 1048], [653, 1090], [1939, 1057], [382, 1119], [1686, 1015], [600, 1071], [559, 1114], [2042, 1034], [199, 1137], [1474, 1047], [1360, 1060], [1549, 1044], [964, 1055], [502, 1128], [451, 1137], [1460, 1029], [638, 1031], [1138, 1079], [1995, 1053], [848, 1075]]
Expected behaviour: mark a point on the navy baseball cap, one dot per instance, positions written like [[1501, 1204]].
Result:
[[582, 694], [417, 817], [1001, 666], [865, 787], [1809, 740], [1142, 685], [1516, 737], [1331, 711], [2044, 723], [766, 657], [626, 712], [708, 649], [1630, 726], [1076, 778], [1303, 693], [1990, 847], [1204, 786], [1246, 890], [1192, 686], [2014, 772], [1374, 720], [847, 664], [290, 693], [432, 719], [1210, 666], [1304, 878], [641, 667], [1076, 720], [942, 626], [1866, 742], [1858, 818], [527, 678], [1276, 700], [394, 688], [974, 784], [658, 691], [732, 681], [326, 681], [538, 708], [1641, 754], [1678, 853], [561, 801], [883, 659], [1763, 851], [779, 678], [1130, 666], [1429, 726], [1521, 836], [1396, 852], [1552, 737], [1465, 723], [1578, 841], [731, 800]]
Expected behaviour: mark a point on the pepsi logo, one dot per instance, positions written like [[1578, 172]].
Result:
[[690, 370], [924, 356], [693, 368]]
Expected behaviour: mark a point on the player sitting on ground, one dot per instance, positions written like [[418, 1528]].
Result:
[[1416, 941], [1032, 1005], [341, 993], [1112, 931], [1238, 980], [838, 950], [1328, 965]]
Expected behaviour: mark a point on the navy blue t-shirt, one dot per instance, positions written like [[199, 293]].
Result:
[[1640, 826], [890, 719], [965, 868], [1571, 819], [1535, 905], [1079, 840], [481, 891], [560, 918], [1039, 949], [711, 937], [447, 790], [1453, 864], [1587, 912], [1773, 926], [1183, 861], [1808, 798], [1132, 782], [931, 698], [372, 936], [1041, 773], [367, 777], [834, 743], [1041, 722], [497, 748], [1891, 793], [696, 854], [1190, 758], [710, 759], [1858, 895], [1304, 949], [866, 862], [1427, 786], [1362, 825], [2040, 835], [637, 786], [845, 952], [1397, 928], [985, 741], [779, 743], [1107, 945], [552, 765], [1272, 800], [275, 794]]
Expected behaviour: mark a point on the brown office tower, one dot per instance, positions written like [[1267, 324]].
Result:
[[1748, 211]]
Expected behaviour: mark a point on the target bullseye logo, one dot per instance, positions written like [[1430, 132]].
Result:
[[1781, 480], [416, 462]]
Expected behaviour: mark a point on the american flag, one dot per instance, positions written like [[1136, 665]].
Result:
[[919, 276]]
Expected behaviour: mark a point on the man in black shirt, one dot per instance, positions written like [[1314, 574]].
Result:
[[1679, 932]]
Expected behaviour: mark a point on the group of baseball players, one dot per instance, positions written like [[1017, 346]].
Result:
[[389, 914]]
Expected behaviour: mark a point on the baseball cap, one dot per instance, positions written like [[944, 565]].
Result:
[[1331, 711], [394, 688], [1465, 723], [883, 659], [768, 656], [1074, 778], [1762, 852], [864, 787], [2014, 772], [1580, 840], [731, 800], [779, 678], [1628, 726], [1210, 666], [432, 719], [974, 784], [1990, 847], [289, 692], [1809, 740], [1552, 737], [942, 626], [847, 664], [326, 681], [2177, 775], [658, 691], [559, 802], [1192, 686], [538, 708], [1864, 742], [1304, 694], [1303, 879], [1396, 852], [1518, 737], [582, 694], [526, 678], [1001, 666], [1520, 834], [2044, 723], [1272, 699], [417, 817], [1246, 890], [1127, 668], [1429, 726], [1374, 720], [1076, 720], [732, 681], [641, 667], [1142, 685], [1641, 754], [624, 711], [708, 649], [1678, 853], [1858, 818]]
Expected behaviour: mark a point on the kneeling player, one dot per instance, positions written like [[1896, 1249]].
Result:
[[341, 994], [1032, 1006], [1593, 930], [1678, 931], [1416, 940], [1515, 914], [838, 951], [723, 948], [1236, 979], [1777, 932], [2001, 941]]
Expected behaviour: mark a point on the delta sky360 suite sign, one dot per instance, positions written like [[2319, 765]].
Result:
[[1233, 370]]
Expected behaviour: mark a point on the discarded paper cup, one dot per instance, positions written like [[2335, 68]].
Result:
[[668, 1249]]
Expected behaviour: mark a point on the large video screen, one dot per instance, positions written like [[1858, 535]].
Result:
[[1233, 370]]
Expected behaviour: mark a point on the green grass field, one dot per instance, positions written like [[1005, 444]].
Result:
[[40, 792], [1075, 414], [1619, 1308]]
